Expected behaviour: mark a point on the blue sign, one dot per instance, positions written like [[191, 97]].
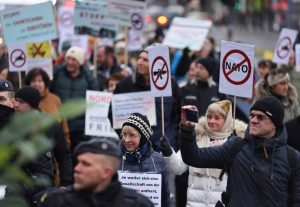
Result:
[[34, 23]]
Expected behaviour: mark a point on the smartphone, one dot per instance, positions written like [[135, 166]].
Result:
[[192, 115]]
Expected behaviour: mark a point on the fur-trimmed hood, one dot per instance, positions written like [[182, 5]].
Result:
[[263, 90], [240, 127]]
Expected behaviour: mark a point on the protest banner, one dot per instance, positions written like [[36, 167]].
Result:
[[126, 103], [35, 23], [236, 69], [297, 57], [186, 32], [96, 121], [26, 56], [148, 184], [159, 70], [284, 46]]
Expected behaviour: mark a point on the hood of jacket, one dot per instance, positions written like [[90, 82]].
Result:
[[263, 90], [240, 127]]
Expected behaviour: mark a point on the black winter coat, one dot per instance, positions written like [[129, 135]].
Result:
[[113, 196], [62, 154], [292, 128], [259, 174]]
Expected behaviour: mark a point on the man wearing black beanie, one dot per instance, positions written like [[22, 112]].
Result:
[[264, 171], [27, 99]]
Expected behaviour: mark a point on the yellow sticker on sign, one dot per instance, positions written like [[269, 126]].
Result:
[[38, 50]]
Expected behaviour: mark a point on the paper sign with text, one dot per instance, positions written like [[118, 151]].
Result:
[[186, 32], [145, 183], [284, 46], [96, 120], [159, 70], [236, 69], [34, 23], [121, 10], [127, 103]]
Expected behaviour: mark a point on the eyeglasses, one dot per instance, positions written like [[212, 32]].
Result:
[[130, 136], [260, 117]]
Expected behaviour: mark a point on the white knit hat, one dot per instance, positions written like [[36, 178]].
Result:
[[77, 53]]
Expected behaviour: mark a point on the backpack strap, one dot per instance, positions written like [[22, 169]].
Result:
[[235, 150], [292, 156]]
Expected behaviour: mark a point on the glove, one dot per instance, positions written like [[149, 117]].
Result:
[[165, 147]]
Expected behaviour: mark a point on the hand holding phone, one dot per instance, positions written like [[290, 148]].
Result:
[[188, 119], [192, 115]]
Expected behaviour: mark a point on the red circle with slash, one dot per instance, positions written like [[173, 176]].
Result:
[[159, 72]]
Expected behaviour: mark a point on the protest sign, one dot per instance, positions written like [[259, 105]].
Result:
[[160, 74], [34, 23], [186, 32], [126, 103], [147, 184], [236, 69], [96, 121]]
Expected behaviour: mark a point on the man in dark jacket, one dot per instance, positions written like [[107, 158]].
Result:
[[140, 81], [71, 80], [7, 95], [27, 99], [260, 172], [96, 180]]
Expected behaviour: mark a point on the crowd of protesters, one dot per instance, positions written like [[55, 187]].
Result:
[[259, 168]]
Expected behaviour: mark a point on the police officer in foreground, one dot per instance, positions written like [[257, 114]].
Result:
[[96, 179]]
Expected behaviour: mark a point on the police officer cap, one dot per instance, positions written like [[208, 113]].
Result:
[[99, 145], [6, 85]]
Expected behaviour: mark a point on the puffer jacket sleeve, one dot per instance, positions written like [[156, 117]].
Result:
[[209, 157], [296, 183], [175, 164]]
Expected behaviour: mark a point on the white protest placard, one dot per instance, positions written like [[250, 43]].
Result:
[[65, 21], [123, 11], [127, 103], [96, 115], [236, 69], [186, 32], [90, 17], [284, 46], [159, 70], [25, 56], [297, 57], [134, 40], [34, 23], [145, 183], [75, 40]]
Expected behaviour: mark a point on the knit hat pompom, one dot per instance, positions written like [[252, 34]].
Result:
[[141, 124]]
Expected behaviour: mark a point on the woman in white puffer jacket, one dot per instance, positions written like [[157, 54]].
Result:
[[204, 186]]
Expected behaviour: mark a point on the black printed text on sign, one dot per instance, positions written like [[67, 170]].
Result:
[[236, 67]]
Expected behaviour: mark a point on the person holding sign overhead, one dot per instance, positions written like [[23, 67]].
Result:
[[138, 155]]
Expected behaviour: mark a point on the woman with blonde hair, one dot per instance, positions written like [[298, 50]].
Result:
[[204, 186]]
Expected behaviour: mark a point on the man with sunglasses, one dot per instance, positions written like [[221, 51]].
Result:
[[260, 172]]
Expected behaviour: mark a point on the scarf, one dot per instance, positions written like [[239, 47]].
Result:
[[209, 138], [137, 155]]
